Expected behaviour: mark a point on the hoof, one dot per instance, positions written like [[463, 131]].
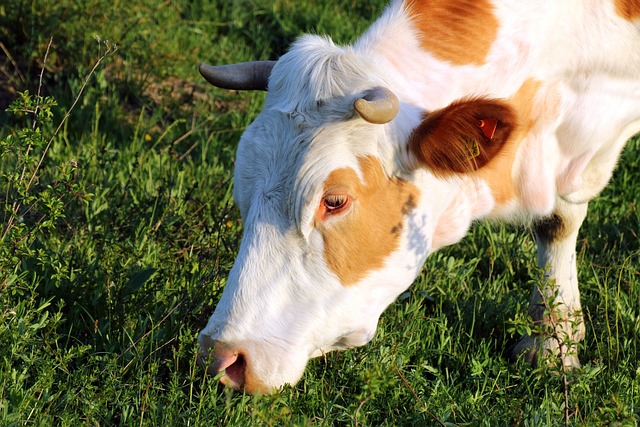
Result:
[[534, 350]]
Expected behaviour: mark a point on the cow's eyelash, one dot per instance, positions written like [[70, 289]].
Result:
[[335, 201]]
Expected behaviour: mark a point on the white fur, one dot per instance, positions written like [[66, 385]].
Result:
[[282, 304]]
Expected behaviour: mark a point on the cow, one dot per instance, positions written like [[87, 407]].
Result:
[[367, 158]]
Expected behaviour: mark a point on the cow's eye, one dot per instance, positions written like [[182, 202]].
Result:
[[335, 202]]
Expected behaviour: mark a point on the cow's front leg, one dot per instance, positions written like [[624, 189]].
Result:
[[555, 304]]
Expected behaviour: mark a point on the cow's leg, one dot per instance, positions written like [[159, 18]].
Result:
[[555, 304]]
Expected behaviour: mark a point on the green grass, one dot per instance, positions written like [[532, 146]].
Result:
[[100, 309]]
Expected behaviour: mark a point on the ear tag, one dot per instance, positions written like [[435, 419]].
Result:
[[488, 127]]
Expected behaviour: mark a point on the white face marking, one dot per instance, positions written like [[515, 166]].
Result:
[[283, 303]]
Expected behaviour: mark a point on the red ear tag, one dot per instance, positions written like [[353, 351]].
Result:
[[488, 127]]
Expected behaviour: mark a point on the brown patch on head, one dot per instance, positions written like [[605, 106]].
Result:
[[460, 32], [628, 9], [360, 239]]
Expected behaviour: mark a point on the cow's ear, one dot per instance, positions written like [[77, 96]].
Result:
[[462, 137]]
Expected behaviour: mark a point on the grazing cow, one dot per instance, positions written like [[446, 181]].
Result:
[[367, 158]]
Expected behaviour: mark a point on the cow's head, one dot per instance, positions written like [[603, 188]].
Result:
[[339, 195]]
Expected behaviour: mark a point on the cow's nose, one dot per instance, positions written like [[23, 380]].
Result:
[[224, 358]]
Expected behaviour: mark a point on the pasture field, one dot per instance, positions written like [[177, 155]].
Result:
[[115, 248]]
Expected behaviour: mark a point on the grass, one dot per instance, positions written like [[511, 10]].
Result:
[[121, 253]]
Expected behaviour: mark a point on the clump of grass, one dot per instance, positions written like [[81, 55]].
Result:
[[36, 200]]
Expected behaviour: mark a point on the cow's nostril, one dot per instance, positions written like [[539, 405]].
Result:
[[235, 373], [233, 363]]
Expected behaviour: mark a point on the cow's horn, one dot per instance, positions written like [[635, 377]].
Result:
[[243, 76], [378, 105]]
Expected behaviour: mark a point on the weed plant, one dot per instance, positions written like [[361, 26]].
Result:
[[119, 230]]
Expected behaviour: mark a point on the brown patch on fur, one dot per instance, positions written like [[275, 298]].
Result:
[[628, 9], [446, 138], [550, 229], [461, 32], [361, 239]]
